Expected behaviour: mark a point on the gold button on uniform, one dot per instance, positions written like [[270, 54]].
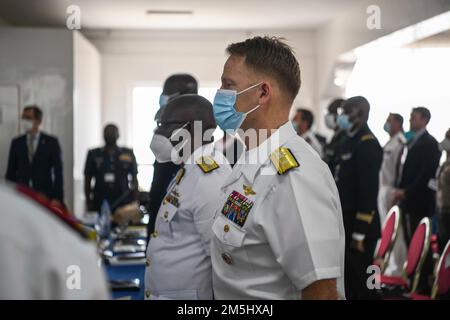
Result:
[[166, 215], [227, 258], [147, 294], [155, 234], [147, 263], [226, 228]]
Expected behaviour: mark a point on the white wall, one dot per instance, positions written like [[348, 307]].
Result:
[[130, 58], [41, 62], [87, 110]]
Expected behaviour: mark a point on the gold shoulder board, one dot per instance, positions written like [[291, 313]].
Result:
[[367, 137], [179, 176], [207, 164], [283, 160]]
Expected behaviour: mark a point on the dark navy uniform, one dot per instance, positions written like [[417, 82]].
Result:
[[331, 150], [113, 175], [357, 179]]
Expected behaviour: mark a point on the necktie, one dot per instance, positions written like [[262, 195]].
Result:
[[30, 147]]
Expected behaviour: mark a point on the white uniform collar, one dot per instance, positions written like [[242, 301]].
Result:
[[307, 134], [401, 136], [250, 161]]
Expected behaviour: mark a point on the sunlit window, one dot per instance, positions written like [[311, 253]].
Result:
[[400, 79], [145, 105]]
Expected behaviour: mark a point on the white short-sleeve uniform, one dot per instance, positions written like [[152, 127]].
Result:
[[41, 258], [392, 152], [178, 254], [293, 233]]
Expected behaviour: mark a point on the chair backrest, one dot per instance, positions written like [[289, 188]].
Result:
[[441, 284], [388, 236], [417, 251]]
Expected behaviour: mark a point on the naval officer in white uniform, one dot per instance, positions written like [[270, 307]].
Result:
[[178, 254], [392, 152], [389, 173], [43, 257], [278, 233]]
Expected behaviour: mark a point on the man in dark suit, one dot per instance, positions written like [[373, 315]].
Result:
[[35, 157], [421, 160]]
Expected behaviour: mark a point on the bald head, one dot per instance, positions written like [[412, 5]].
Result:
[[334, 106], [180, 84], [111, 134], [358, 109], [186, 109]]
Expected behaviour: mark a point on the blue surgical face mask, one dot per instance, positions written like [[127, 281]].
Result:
[[387, 127], [409, 135], [164, 99], [343, 122], [224, 108]]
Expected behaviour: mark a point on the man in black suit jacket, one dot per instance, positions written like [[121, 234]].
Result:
[[35, 157], [415, 196]]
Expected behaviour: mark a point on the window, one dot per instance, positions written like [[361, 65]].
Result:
[[398, 80], [145, 102]]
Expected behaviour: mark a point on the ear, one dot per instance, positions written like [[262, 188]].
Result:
[[266, 92]]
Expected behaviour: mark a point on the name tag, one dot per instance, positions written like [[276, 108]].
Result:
[[109, 177], [237, 207]]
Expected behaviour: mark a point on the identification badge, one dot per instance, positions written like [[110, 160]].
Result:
[[237, 207], [109, 177]]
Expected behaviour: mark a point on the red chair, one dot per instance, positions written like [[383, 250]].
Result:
[[388, 236], [441, 284], [417, 253]]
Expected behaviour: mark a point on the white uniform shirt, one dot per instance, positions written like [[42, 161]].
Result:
[[178, 257], [392, 152], [310, 137], [293, 234], [40, 257]]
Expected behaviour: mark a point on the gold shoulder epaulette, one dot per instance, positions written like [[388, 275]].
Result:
[[207, 164], [179, 176], [283, 160], [367, 137], [366, 217]]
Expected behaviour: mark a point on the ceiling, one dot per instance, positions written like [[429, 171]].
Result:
[[207, 14], [437, 41]]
